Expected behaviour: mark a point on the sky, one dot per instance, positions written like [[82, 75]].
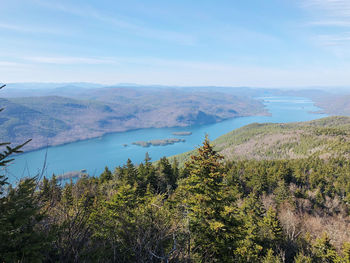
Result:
[[260, 43]]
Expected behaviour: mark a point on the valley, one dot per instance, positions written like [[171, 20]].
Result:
[[115, 148], [50, 119]]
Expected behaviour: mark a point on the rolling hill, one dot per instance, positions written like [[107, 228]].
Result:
[[335, 104], [53, 120], [325, 138]]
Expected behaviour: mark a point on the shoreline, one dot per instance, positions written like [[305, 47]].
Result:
[[265, 113]]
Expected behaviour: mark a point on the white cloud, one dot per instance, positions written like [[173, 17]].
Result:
[[331, 13], [133, 28], [153, 70], [332, 8], [330, 23], [334, 39], [332, 19], [70, 60], [10, 64], [140, 62], [33, 29]]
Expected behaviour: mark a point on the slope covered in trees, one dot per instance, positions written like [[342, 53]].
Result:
[[258, 208], [53, 120], [324, 138], [211, 210], [335, 104]]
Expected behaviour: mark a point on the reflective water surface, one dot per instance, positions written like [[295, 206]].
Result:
[[109, 150]]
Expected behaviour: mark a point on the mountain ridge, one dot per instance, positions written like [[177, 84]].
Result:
[[53, 120], [325, 138]]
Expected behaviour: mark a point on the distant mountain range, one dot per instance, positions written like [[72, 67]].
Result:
[[57, 113], [70, 89], [66, 114]]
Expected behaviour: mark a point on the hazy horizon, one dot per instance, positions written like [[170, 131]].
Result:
[[42, 85]]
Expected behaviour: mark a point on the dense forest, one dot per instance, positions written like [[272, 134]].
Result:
[[209, 210]]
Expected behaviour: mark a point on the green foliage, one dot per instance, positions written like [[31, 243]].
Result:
[[21, 240], [210, 210], [167, 175], [106, 175], [212, 223], [20, 215], [271, 258], [67, 194], [328, 137], [271, 230], [250, 247], [282, 193], [324, 251], [301, 258], [346, 252]]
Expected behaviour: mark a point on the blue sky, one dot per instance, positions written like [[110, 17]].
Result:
[[267, 43]]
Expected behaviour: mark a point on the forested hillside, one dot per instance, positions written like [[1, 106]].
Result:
[[211, 210], [336, 104], [323, 138], [261, 193], [52, 120]]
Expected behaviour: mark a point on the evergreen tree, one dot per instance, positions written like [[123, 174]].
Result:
[[175, 168], [271, 258], [212, 223], [301, 258], [67, 195], [106, 175], [45, 189], [55, 189], [147, 175], [346, 252], [130, 173], [324, 251], [166, 178], [250, 248], [271, 230], [20, 238]]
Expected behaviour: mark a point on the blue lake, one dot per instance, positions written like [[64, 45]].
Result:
[[94, 154]]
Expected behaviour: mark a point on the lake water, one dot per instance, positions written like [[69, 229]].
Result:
[[94, 154]]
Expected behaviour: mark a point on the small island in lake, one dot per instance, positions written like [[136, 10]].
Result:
[[162, 142], [72, 175], [182, 133]]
